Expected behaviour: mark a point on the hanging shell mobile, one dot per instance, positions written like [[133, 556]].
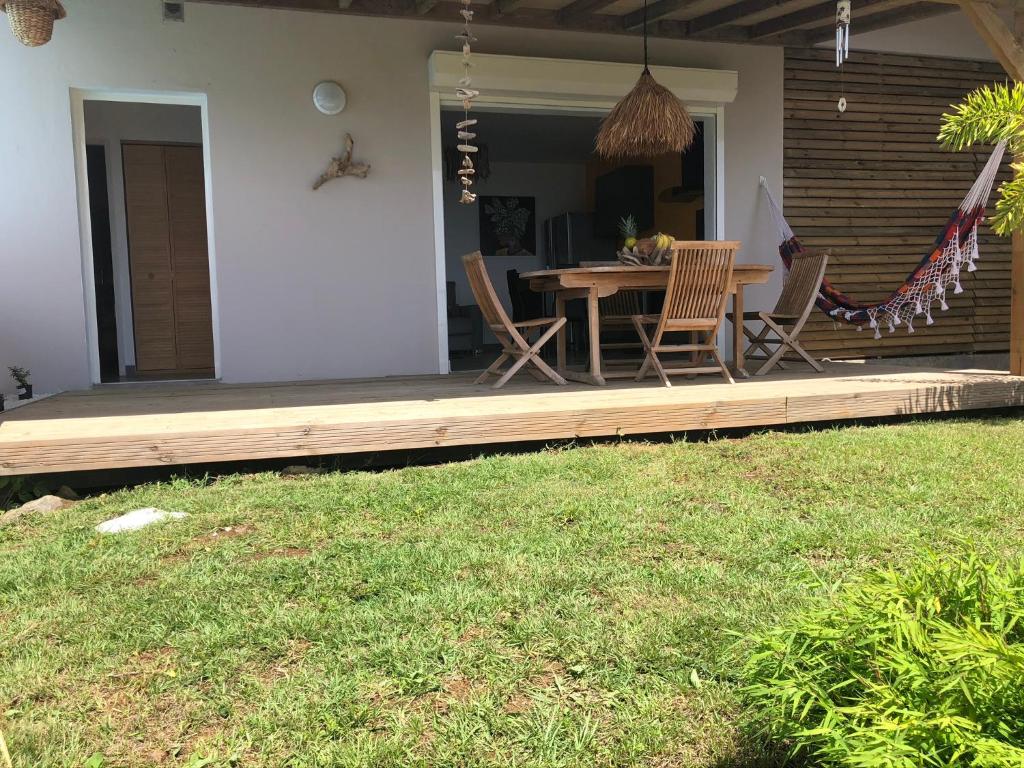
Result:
[[466, 93]]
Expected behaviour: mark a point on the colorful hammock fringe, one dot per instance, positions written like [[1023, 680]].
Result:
[[930, 280]]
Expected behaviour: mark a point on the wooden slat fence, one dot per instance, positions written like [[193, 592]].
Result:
[[875, 187]]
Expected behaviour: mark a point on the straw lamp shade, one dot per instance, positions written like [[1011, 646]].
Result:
[[649, 121], [32, 20]]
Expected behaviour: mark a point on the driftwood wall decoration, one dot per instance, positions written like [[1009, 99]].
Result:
[[343, 166]]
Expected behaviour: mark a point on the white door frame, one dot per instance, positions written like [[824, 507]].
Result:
[[542, 105], [78, 98]]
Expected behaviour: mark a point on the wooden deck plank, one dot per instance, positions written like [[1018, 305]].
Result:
[[151, 425]]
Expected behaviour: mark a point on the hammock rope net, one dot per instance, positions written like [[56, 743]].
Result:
[[938, 270]]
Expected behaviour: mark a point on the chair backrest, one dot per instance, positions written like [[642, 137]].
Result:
[[698, 283], [622, 304], [483, 291], [801, 287]]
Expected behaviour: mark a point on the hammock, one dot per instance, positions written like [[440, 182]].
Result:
[[928, 282]]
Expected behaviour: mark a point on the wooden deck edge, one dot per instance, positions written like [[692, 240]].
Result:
[[368, 437], [926, 398], [605, 420]]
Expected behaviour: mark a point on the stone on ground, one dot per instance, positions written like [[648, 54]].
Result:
[[138, 519], [41, 506], [67, 493]]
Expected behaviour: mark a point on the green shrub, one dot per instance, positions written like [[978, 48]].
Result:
[[920, 668]]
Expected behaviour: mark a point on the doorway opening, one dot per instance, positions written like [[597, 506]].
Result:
[[145, 169], [546, 201]]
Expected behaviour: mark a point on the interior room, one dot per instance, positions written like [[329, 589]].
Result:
[[547, 201], [149, 241]]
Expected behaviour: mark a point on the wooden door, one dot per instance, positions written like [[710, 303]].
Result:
[[170, 266]]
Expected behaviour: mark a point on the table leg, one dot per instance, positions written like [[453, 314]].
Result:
[[592, 376], [739, 360], [594, 319]]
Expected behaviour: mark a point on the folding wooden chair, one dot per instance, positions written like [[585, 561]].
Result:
[[616, 316], [783, 324], [695, 298], [513, 336]]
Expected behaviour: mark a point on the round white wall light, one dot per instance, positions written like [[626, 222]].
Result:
[[329, 97]]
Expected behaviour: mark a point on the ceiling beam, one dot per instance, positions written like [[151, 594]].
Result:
[[583, 16], [817, 14], [1005, 44], [655, 11], [579, 9], [501, 7], [522, 15], [731, 13], [883, 20]]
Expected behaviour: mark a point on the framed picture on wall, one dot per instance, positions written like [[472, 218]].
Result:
[[508, 226]]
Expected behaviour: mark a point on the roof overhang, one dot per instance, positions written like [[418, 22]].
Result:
[[572, 83], [766, 22]]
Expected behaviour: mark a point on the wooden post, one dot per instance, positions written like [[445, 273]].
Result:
[[1017, 305], [1017, 251], [1008, 46]]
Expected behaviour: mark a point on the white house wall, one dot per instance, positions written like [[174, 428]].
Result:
[[334, 283]]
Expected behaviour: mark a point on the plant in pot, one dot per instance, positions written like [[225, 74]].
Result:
[[20, 376]]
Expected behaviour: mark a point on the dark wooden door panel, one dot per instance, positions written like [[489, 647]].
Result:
[[165, 199], [192, 310], [149, 247]]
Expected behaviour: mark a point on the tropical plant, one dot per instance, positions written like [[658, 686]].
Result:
[[988, 115], [20, 375], [901, 670], [20, 489]]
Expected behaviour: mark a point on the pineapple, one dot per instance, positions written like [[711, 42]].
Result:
[[628, 231]]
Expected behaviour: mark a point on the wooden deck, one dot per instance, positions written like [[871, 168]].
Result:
[[151, 425]]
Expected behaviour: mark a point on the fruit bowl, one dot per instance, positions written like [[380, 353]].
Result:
[[649, 252]]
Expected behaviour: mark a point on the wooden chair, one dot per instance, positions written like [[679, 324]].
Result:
[[783, 324], [513, 336], [616, 316], [695, 298]]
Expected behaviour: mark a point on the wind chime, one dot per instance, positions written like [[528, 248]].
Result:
[[466, 93], [842, 44]]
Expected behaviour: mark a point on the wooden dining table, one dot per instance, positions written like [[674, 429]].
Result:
[[592, 283]]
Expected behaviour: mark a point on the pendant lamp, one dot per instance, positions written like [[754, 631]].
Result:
[[649, 121]]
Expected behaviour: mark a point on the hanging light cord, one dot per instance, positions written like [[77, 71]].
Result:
[[647, 69]]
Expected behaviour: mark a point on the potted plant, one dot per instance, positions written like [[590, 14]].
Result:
[[20, 376]]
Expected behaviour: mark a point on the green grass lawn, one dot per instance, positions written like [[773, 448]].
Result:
[[573, 607]]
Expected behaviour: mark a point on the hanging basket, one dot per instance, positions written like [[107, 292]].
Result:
[[32, 20]]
